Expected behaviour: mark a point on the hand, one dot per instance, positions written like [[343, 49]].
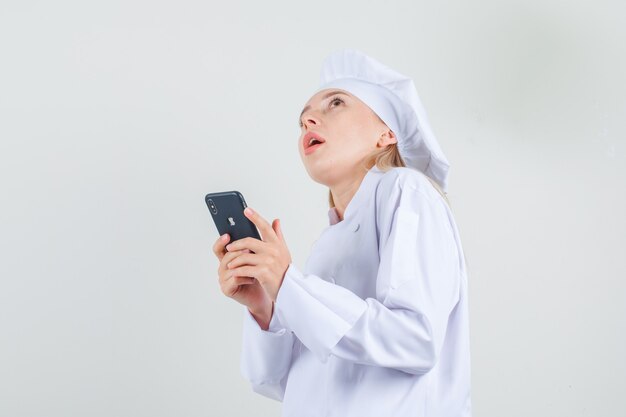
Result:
[[271, 257], [243, 289]]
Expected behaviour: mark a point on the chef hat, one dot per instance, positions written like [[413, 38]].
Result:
[[393, 97]]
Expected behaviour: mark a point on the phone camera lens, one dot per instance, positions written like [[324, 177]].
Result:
[[212, 206]]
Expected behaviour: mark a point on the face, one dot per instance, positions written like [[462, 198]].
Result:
[[351, 133]]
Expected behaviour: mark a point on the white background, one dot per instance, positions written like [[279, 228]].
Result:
[[117, 117]]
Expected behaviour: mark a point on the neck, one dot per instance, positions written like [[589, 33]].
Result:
[[344, 190]]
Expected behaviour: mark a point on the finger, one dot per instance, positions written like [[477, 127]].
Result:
[[229, 277], [219, 245], [225, 275], [230, 286], [277, 229], [244, 271], [267, 233], [243, 280], [255, 245], [228, 257], [243, 259]]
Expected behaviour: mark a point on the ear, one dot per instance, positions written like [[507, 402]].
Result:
[[387, 138]]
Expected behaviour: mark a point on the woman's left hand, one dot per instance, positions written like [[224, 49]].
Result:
[[271, 257]]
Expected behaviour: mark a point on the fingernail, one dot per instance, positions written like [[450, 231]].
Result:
[[248, 210], [224, 236]]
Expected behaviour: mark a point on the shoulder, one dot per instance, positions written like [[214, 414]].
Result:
[[400, 180], [408, 207], [409, 194], [406, 199]]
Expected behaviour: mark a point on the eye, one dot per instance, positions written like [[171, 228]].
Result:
[[334, 99]]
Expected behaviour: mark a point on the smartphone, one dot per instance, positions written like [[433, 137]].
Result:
[[226, 208]]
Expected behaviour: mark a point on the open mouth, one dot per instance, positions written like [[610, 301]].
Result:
[[312, 140]]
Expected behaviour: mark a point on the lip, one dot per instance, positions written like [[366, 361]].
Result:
[[307, 138], [312, 149]]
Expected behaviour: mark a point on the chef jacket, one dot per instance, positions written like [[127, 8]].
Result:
[[376, 323]]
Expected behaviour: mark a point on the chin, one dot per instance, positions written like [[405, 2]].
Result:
[[320, 172]]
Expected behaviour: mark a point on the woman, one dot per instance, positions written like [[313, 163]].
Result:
[[376, 323]]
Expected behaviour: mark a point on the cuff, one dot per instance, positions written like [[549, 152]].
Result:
[[265, 354], [319, 312], [275, 327]]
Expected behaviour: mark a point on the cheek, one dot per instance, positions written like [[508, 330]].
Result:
[[356, 124], [355, 137], [352, 132]]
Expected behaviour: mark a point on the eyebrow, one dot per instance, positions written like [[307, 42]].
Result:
[[332, 93]]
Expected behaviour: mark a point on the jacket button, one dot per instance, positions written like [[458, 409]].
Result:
[[357, 227]]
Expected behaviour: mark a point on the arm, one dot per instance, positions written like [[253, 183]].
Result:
[[417, 287], [266, 356]]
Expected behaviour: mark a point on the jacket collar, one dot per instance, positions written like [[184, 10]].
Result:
[[361, 196]]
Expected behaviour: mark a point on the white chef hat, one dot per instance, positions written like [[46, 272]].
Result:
[[393, 97]]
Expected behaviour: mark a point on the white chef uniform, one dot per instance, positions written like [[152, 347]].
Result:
[[376, 323]]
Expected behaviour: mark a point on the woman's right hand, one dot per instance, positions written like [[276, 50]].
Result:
[[245, 290]]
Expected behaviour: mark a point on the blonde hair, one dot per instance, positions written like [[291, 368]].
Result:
[[389, 158]]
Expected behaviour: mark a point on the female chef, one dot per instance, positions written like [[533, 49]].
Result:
[[376, 323]]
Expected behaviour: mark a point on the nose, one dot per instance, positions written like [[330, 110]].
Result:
[[308, 120]]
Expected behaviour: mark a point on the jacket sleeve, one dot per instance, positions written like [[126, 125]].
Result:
[[417, 287], [266, 356]]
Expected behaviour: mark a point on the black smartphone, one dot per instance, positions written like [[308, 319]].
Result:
[[226, 208]]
